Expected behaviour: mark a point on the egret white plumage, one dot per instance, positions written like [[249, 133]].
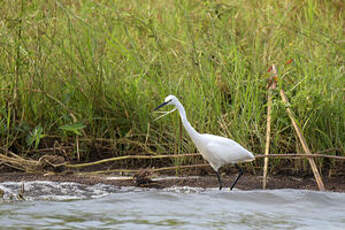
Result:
[[217, 150]]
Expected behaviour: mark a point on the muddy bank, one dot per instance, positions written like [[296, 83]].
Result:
[[247, 182]]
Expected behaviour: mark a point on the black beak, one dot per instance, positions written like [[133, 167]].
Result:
[[160, 106]]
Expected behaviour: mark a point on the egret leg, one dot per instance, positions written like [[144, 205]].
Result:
[[219, 181], [238, 177]]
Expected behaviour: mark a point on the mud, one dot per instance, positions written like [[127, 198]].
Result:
[[247, 182]]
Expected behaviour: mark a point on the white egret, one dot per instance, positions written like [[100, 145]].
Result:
[[217, 150]]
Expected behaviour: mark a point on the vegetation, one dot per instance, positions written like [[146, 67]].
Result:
[[81, 78]]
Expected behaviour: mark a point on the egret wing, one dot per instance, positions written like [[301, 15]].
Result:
[[227, 150]]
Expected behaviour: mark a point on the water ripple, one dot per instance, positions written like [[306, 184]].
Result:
[[52, 205]]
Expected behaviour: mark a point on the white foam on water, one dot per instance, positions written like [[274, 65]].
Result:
[[47, 190], [119, 178], [185, 189]]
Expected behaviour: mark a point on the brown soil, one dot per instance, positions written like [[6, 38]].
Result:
[[247, 182]]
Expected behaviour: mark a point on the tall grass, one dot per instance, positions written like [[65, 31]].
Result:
[[96, 69]]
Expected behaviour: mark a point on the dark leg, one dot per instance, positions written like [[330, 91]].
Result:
[[238, 177], [219, 181]]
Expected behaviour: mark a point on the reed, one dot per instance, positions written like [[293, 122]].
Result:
[[73, 74]]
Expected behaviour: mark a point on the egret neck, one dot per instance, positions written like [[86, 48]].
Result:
[[191, 131]]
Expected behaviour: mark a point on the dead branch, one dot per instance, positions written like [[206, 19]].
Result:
[[294, 155], [29, 165], [138, 170], [299, 155], [130, 157]]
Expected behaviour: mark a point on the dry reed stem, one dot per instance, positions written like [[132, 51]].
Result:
[[299, 156], [268, 134], [18, 163], [303, 142], [10, 152], [272, 84]]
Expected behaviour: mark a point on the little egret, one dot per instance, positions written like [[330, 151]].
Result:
[[217, 150]]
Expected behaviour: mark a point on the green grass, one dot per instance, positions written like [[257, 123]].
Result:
[[96, 69]]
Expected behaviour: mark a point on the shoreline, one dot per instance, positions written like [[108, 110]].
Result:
[[247, 182]]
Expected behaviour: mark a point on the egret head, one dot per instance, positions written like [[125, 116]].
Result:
[[169, 100]]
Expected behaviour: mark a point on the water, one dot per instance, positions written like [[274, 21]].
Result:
[[50, 205]]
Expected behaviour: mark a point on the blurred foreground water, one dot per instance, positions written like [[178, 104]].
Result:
[[52, 205]]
